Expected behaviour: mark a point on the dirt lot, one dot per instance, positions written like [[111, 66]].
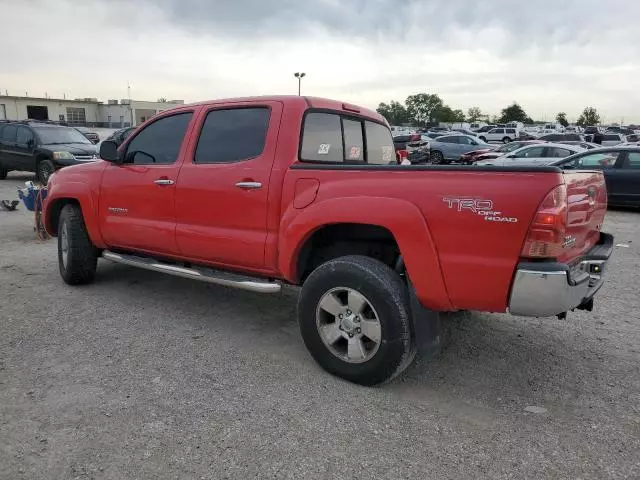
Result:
[[141, 375]]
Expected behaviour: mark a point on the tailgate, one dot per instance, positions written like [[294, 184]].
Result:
[[587, 199]]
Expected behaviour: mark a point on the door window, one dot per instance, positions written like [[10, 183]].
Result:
[[232, 135], [24, 137], [557, 152], [533, 152], [633, 160], [9, 134], [159, 142], [596, 160]]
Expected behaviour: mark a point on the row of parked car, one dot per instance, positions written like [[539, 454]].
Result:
[[620, 163], [44, 147]]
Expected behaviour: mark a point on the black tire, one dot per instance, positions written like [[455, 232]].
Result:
[[437, 158], [44, 170], [3, 173], [506, 140], [387, 294], [79, 268], [484, 139]]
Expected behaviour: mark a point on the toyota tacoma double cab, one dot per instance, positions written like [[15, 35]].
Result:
[[257, 193]]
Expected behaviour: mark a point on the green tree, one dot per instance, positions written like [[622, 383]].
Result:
[[514, 113], [394, 112], [422, 107], [589, 116], [561, 118], [458, 115], [474, 114]]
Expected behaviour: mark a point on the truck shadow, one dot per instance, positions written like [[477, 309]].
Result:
[[491, 358]]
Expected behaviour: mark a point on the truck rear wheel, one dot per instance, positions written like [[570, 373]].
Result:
[[77, 257], [354, 317]]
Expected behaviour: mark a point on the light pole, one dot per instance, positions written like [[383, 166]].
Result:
[[299, 76]]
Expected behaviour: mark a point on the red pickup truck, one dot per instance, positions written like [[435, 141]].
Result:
[[255, 193]]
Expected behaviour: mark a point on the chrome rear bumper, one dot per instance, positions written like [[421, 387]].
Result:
[[547, 289]]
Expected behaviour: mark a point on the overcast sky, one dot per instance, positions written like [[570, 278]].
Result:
[[550, 56]]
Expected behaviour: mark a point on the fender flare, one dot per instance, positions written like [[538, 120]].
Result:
[[81, 193], [403, 219]]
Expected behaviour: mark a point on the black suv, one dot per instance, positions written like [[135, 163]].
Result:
[[42, 148], [562, 137]]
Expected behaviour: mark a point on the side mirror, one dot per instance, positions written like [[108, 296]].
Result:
[[30, 143], [511, 156], [109, 151]]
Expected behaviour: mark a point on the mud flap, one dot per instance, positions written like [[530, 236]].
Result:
[[426, 326]]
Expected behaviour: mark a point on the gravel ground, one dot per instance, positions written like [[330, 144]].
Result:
[[142, 375]]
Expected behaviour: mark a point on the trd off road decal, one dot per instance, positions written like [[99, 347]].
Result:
[[480, 207]]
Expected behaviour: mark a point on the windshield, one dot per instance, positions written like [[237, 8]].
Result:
[[59, 135]]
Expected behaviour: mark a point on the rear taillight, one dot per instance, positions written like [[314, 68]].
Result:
[[547, 232]]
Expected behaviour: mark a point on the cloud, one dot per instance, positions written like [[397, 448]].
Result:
[[548, 55]]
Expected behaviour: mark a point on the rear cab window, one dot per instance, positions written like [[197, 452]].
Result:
[[338, 138]]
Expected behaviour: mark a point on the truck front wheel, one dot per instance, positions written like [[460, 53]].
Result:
[[354, 317], [77, 257]]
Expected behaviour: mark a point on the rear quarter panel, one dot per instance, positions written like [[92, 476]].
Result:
[[475, 258]]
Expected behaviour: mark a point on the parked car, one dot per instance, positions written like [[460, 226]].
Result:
[[89, 134], [585, 145], [610, 139], [620, 166], [487, 154], [254, 193], [400, 144], [536, 154], [465, 131], [485, 128], [419, 151], [42, 148], [121, 135], [449, 148], [504, 135], [562, 137], [633, 137]]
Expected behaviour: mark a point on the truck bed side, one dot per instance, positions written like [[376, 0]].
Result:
[[477, 218]]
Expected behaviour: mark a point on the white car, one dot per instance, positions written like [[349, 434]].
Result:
[[504, 135], [610, 139], [536, 154]]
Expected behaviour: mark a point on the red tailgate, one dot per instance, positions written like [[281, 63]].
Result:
[[587, 198]]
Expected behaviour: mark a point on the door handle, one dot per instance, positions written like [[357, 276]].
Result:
[[249, 185], [163, 181]]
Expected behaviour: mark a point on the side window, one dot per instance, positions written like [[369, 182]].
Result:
[[453, 139], [511, 130], [159, 142], [353, 144], [380, 149], [9, 134], [24, 136], [558, 152], [597, 160], [633, 160], [533, 152], [232, 135], [322, 138], [499, 130]]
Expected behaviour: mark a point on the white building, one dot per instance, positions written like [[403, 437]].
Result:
[[83, 111]]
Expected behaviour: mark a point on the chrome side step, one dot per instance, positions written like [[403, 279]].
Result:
[[203, 274]]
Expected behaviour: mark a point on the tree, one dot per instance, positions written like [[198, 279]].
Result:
[[474, 114], [561, 118], [589, 116], [514, 113], [422, 106], [395, 113]]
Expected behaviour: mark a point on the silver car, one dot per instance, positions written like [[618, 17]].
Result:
[[536, 154], [449, 148]]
